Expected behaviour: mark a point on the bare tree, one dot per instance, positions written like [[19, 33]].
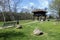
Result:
[[16, 4], [2, 4], [55, 6], [6, 7], [9, 6]]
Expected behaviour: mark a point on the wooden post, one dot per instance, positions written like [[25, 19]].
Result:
[[17, 21]]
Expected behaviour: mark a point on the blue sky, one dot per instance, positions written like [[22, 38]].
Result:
[[35, 3], [27, 4]]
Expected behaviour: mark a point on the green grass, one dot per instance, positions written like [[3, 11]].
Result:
[[1, 23], [51, 31], [21, 22], [25, 21]]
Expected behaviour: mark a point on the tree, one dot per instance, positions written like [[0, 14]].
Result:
[[9, 6], [5, 5], [16, 4], [55, 6], [2, 4]]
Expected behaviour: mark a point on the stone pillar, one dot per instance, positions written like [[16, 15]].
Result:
[[33, 17], [45, 18], [17, 21], [38, 18]]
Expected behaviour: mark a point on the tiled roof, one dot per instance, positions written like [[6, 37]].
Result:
[[39, 10]]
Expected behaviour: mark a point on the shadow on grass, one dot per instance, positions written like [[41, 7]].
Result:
[[11, 34]]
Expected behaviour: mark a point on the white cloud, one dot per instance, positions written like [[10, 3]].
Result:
[[25, 7], [28, 6], [43, 3], [31, 4]]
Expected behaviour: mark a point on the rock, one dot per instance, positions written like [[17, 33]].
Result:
[[42, 20], [19, 26], [41, 33], [37, 32], [48, 20]]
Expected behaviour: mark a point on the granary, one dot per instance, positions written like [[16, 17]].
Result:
[[39, 14]]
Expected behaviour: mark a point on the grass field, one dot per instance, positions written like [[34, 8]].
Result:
[[50, 29]]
